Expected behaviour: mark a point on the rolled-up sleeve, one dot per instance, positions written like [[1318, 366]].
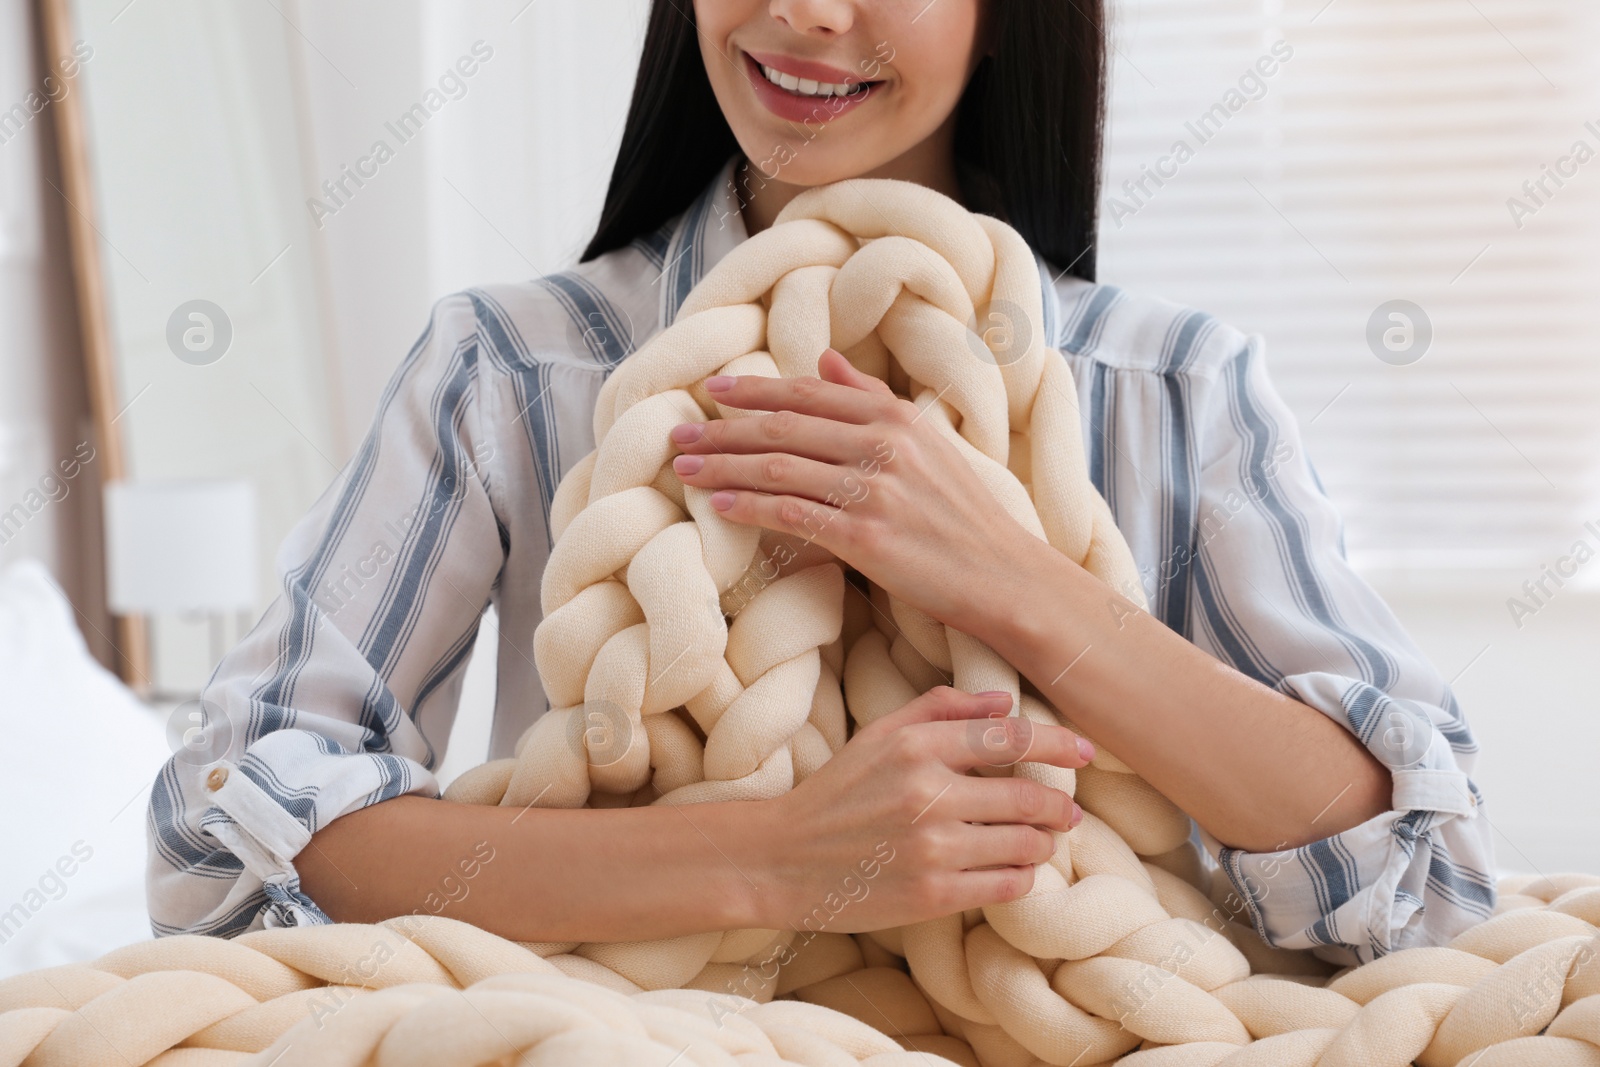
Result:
[[335, 699], [1274, 595]]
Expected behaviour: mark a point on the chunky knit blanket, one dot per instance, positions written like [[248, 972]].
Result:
[[689, 659]]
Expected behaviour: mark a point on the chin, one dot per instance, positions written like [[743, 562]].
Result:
[[807, 163]]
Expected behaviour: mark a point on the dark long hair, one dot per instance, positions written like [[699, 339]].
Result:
[[1027, 142]]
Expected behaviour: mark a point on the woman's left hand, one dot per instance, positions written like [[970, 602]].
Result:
[[840, 460]]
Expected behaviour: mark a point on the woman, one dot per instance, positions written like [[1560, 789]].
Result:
[[1270, 693]]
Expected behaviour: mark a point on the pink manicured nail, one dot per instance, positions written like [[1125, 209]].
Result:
[[1085, 746], [686, 432], [722, 500], [688, 464], [1077, 815], [719, 383]]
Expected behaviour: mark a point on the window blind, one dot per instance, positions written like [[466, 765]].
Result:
[[1294, 168]]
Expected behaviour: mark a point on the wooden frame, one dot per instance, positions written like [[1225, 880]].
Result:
[[129, 638]]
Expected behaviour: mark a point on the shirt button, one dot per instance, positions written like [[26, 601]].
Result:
[[215, 779]]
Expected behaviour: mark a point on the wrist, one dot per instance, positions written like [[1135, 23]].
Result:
[[748, 832], [1033, 600]]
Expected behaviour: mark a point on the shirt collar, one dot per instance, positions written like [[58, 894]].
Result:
[[713, 225], [708, 229]]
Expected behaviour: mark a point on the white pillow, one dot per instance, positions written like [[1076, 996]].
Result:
[[80, 753]]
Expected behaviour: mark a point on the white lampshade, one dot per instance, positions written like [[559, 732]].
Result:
[[181, 546]]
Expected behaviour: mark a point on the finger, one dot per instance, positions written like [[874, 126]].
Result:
[[944, 703], [1005, 845], [834, 366], [1011, 800], [811, 436], [1005, 741], [809, 396], [775, 472], [796, 516], [979, 889]]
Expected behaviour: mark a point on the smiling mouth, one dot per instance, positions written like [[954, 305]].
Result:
[[807, 88]]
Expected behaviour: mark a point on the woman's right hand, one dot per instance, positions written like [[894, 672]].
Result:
[[893, 830]]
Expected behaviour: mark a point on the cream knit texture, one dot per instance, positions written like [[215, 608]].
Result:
[[690, 659]]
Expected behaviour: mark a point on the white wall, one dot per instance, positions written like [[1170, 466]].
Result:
[[504, 183], [1529, 695]]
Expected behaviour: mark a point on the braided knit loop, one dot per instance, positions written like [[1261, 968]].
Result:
[[689, 659]]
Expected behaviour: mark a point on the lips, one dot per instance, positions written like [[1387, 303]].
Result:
[[795, 107], [804, 68]]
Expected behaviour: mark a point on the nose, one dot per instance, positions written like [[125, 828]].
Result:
[[829, 18]]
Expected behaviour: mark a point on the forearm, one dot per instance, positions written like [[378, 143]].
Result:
[[615, 874], [1257, 769]]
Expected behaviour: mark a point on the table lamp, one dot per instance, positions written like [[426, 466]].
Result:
[[182, 547]]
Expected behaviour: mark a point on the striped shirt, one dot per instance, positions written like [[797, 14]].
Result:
[[343, 695]]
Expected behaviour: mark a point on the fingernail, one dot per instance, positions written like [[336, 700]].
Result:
[[688, 464], [686, 432], [1077, 815], [1085, 746], [719, 383], [722, 500], [993, 693]]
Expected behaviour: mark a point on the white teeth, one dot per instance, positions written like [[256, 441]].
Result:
[[808, 87]]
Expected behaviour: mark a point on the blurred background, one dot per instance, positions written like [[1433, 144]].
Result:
[[1403, 200]]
